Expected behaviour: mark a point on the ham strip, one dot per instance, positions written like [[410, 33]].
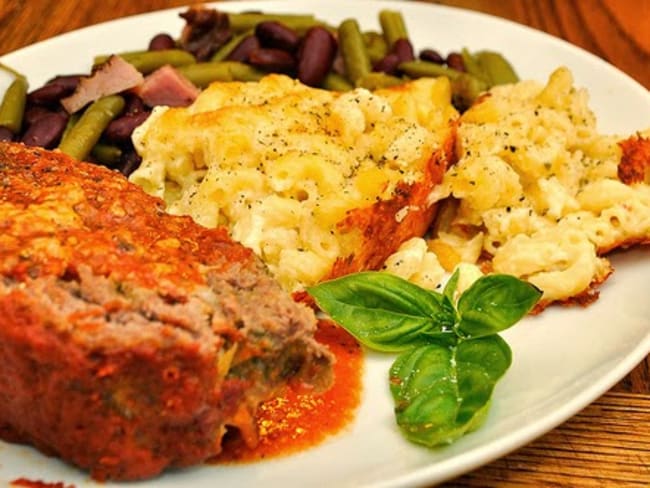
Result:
[[113, 76], [166, 86]]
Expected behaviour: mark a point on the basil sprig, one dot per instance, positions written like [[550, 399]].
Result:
[[451, 355]]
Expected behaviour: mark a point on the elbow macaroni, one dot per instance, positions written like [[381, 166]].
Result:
[[281, 164], [538, 185]]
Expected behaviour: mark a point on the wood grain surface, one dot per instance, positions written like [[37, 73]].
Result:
[[608, 443]]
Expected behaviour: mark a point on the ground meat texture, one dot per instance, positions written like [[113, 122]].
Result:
[[132, 339]]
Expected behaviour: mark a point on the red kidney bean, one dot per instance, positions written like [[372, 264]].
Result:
[[455, 61], [274, 60], [205, 31], [134, 104], [432, 56], [388, 64], [160, 42], [46, 131], [275, 35], [404, 50], [47, 94], [54, 90], [33, 113], [316, 56], [243, 50], [120, 129], [69, 81], [129, 162], [6, 134]]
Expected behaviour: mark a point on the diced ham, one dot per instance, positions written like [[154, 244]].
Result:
[[113, 76], [166, 86]]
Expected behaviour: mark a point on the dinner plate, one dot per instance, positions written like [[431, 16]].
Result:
[[563, 359]]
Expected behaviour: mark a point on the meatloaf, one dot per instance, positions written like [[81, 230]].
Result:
[[131, 340]]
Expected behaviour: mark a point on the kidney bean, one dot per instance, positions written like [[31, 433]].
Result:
[[455, 61], [134, 104], [274, 60], [275, 35], [404, 50], [45, 131], [6, 134], [205, 31], [316, 56], [129, 162], [47, 94], [243, 50], [160, 42], [120, 129], [432, 56], [54, 90], [33, 113], [388, 64], [69, 81]]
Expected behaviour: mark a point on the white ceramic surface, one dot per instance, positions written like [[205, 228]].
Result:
[[563, 359]]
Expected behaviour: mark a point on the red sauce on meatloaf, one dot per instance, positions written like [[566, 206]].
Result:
[[299, 420]]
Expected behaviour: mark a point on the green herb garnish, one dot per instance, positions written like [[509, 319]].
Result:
[[451, 355]]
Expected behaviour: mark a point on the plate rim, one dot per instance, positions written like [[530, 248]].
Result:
[[523, 436]]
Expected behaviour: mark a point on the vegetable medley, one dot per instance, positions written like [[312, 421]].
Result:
[[92, 116]]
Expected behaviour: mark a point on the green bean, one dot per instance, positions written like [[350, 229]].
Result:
[[147, 61], [376, 80], [244, 72], [102, 58], [497, 69], [106, 154], [12, 107], [240, 22], [10, 70], [223, 52], [81, 138], [419, 69], [472, 65], [72, 120], [335, 82], [375, 46], [393, 26], [353, 50], [202, 74], [465, 89]]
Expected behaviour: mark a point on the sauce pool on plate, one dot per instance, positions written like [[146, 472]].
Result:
[[299, 420]]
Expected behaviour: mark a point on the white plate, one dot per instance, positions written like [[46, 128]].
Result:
[[563, 360]]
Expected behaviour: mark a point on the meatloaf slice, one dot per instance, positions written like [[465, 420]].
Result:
[[131, 339]]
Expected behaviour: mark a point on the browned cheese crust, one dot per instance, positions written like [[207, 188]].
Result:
[[379, 225]]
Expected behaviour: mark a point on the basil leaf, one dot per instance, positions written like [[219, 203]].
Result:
[[452, 358], [383, 311], [451, 286], [494, 303], [480, 363], [424, 388], [443, 392]]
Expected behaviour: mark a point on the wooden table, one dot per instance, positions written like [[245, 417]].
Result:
[[608, 443]]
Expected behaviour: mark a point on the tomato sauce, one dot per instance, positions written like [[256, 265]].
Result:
[[298, 420], [27, 483]]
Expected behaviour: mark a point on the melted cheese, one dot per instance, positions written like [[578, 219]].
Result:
[[280, 164], [538, 185]]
